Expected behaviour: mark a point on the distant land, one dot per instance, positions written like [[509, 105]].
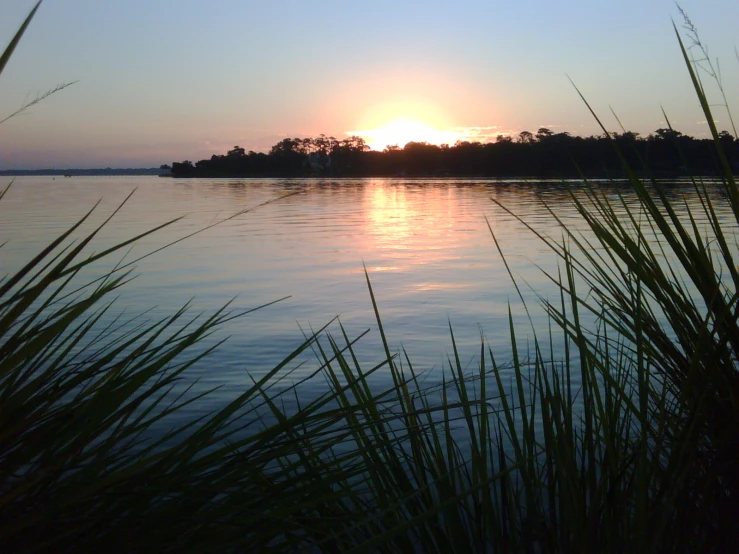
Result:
[[543, 154], [107, 171]]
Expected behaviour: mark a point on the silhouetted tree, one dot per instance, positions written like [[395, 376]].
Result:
[[543, 134], [525, 137], [667, 134], [726, 139]]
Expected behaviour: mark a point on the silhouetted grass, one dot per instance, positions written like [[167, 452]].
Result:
[[641, 457]]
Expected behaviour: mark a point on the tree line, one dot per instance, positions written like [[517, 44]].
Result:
[[543, 154]]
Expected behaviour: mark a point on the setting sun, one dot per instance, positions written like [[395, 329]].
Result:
[[401, 132]]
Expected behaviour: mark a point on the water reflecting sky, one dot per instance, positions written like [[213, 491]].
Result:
[[426, 246]]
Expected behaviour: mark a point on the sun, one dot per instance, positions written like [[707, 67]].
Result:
[[402, 131]]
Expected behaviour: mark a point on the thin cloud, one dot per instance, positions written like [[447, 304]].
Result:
[[481, 133]]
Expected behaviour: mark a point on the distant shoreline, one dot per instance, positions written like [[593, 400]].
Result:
[[300, 176], [622, 176], [96, 172]]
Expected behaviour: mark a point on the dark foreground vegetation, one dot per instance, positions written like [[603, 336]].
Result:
[[511, 458], [667, 153]]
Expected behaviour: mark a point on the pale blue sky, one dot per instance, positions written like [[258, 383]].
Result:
[[164, 80]]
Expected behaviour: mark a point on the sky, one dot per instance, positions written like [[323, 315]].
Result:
[[158, 81]]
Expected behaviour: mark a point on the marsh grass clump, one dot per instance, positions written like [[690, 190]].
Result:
[[642, 456]]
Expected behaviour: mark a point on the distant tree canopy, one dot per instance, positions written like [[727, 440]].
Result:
[[541, 154]]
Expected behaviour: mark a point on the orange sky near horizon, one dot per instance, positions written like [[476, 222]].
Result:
[[171, 81]]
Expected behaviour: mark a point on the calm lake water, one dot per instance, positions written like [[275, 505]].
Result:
[[425, 243]]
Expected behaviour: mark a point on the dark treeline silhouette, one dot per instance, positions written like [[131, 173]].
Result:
[[544, 154]]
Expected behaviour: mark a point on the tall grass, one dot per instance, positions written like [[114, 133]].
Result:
[[641, 457]]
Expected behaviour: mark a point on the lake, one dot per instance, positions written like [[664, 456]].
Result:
[[425, 243]]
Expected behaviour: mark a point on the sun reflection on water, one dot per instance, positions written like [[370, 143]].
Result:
[[410, 232]]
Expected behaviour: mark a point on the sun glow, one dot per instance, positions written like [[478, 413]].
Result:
[[401, 132]]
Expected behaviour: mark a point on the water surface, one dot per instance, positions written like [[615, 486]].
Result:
[[426, 245]]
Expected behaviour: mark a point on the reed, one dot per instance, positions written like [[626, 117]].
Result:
[[642, 457]]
